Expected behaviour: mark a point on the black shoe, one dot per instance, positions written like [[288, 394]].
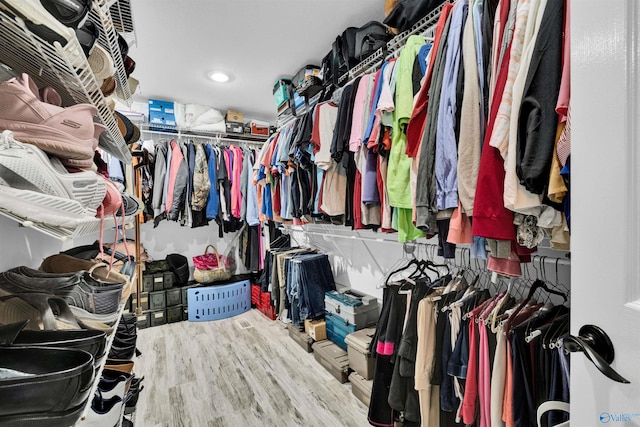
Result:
[[44, 386], [91, 341]]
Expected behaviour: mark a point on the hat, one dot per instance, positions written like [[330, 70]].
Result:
[[108, 86], [129, 131], [101, 63]]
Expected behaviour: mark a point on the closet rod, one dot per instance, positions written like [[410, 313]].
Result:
[[208, 137], [535, 259]]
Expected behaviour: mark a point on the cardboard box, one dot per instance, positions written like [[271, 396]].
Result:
[[233, 127], [316, 329], [161, 112], [234, 116]]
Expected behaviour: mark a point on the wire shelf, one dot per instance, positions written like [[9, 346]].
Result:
[[123, 20], [63, 68], [108, 39], [179, 132]]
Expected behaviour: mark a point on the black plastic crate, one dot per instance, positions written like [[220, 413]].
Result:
[[157, 300], [174, 297], [174, 314], [143, 320], [158, 317], [144, 301]]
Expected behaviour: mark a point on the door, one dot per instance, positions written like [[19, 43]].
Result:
[[605, 171]]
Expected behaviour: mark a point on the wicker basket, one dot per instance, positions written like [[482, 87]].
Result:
[[216, 272]]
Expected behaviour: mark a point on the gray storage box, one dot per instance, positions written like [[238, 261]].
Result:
[[144, 301], [173, 297], [356, 308], [157, 300], [361, 388], [333, 358], [303, 340], [360, 360], [143, 320], [158, 317], [158, 282]]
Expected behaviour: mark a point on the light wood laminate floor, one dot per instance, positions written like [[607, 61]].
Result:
[[223, 373]]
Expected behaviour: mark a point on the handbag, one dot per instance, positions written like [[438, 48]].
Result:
[[407, 12], [211, 267]]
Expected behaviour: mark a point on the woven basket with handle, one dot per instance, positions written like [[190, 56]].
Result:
[[210, 267]]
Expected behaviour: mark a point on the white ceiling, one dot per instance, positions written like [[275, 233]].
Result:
[[255, 41]]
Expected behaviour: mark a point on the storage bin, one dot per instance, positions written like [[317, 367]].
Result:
[[143, 320], [161, 112], [361, 388], [158, 282], [185, 297], [147, 282], [173, 297], [255, 294], [174, 314], [144, 301], [300, 337], [360, 359], [157, 300], [332, 358], [281, 92], [338, 329], [158, 317], [218, 302], [358, 309], [167, 280]]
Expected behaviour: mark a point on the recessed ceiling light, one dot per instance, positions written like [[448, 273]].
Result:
[[219, 77]]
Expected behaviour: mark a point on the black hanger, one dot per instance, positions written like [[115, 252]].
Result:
[[540, 284]]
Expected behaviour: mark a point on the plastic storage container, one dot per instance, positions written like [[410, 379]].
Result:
[[360, 359], [300, 337], [332, 358], [338, 329], [358, 309], [361, 388]]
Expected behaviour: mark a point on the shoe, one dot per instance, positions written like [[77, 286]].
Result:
[[101, 63], [43, 311], [104, 412], [107, 88], [120, 365], [50, 96], [113, 383], [93, 342], [73, 288], [39, 20], [62, 263], [68, 133], [132, 205], [71, 13], [129, 66], [44, 386], [47, 175], [87, 36]]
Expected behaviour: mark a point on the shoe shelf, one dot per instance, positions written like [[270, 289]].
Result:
[[108, 39], [86, 228], [100, 368], [65, 69], [123, 19]]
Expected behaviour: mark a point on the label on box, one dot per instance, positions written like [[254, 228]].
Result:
[[158, 315]]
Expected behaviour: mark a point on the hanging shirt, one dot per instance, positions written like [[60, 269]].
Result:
[[212, 167], [399, 163], [446, 145]]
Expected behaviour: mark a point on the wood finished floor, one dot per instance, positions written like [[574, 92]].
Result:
[[206, 374]]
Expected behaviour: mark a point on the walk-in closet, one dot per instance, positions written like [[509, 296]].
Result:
[[392, 213]]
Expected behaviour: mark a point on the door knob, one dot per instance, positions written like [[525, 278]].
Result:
[[597, 346]]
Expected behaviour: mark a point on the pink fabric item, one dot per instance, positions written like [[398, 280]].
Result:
[[176, 161], [562, 107], [506, 266], [459, 228], [355, 140], [68, 133], [236, 206]]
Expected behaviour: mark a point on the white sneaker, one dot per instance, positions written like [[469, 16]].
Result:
[[40, 189]]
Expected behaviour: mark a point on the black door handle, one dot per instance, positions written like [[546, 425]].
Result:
[[597, 346]]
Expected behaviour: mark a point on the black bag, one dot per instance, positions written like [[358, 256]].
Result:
[[407, 12], [351, 47], [359, 43]]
